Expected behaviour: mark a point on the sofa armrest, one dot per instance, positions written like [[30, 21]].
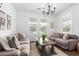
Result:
[[26, 41], [72, 44], [78, 39], [52, 38], [72, 40]]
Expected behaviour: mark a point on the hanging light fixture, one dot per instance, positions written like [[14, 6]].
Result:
[[0, 5], [48, 9]]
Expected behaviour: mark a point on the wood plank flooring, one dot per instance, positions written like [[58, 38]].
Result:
[[59, 51]]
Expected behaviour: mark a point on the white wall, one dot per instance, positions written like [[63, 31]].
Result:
[[74, 12], [23, 17], [10, 10], [59, 19]]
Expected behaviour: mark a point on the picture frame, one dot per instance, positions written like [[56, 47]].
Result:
[[8, 22], [2, 21]]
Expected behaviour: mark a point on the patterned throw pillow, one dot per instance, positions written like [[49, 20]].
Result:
[[21, 36], [66, 36], [4, 44], [14, 43], [73, 37]]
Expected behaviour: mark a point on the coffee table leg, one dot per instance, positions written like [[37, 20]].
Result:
[[52, 49], [37, 43], [43, 50]]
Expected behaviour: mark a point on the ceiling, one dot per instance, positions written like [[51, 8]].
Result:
[[32, 7]]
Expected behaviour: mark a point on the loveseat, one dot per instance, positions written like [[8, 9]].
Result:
[[15, 45], [65, 41]]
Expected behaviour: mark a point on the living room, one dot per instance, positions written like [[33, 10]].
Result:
[[26, 24]]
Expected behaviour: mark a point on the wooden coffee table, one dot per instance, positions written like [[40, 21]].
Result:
[[42, 48]]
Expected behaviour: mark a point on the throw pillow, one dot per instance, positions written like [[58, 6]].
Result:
[[4, 44], [17, 36], [73, 37], [66, 36], [61, 35], [14, 43], [21, 36]]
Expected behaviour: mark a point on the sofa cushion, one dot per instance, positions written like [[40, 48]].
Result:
[[25, 49], [73, 37], [4, 44], [15, 52], [61, 42], [58, 35], [14, 43], [66, 36]]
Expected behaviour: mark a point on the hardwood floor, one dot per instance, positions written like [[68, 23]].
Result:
[[69, 53], [34, 50], [59, 51]]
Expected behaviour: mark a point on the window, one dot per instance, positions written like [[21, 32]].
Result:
[[67, 24], [32, 28], [32, 20], [43, 26], [33, 25], [37, 27]]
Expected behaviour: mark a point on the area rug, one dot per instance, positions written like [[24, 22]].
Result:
[[35, 51]]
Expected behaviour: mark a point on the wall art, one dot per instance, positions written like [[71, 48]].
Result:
[[2, 21], [8, 22]]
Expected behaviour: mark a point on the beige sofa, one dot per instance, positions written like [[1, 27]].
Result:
[[24, 44], [70, 43]]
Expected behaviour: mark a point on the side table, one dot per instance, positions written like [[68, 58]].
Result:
[[78, 47]]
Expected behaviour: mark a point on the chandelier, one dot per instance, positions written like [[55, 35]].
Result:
[[48, 9], [0, 5]]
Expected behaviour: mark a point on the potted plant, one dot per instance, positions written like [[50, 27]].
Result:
[[44, 36]]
